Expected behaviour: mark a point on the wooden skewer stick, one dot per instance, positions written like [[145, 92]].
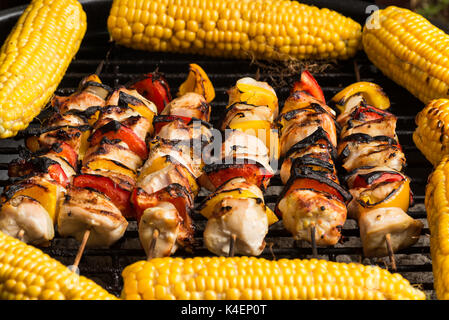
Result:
[[357, 71], [153, 244], [105, 60], [270, 247], [81, 249], [390, 252], [313, 241], [232, 245], [21, 234]]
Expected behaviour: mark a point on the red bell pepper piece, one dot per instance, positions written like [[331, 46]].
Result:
[[160, 121], [253, 173], [360, 182], [305, 183], [57, 173], [368, 113], [154, 87], [142, 200], [118, 196], [65, 151], [114, 130], [310, 85]]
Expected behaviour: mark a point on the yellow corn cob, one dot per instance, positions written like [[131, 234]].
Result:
[[410, 50], [270, 29], [28, 273], [34, 58], [256, 279], [437, 207], [431, 135]]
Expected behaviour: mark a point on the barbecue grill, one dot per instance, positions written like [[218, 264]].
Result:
[[105, 265]]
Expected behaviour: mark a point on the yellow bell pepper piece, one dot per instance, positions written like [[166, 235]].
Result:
[[261, 129], [46, 193], [254, 95], [103, 164], [197, 81], [399, 199]]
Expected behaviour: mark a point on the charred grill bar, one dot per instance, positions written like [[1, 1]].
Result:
[[105, 265]]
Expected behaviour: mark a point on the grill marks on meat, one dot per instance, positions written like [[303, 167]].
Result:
[[312, 196], [369, 150]]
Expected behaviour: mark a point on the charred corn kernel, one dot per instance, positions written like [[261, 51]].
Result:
[[261, 28], [410, 50], [437, 207], [431, 135], [32, 63], [311, 279], [198, 81], [49, 279]]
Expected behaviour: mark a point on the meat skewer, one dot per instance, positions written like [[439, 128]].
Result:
[[98, 200], [312, 203], [167, 184], [30, 206], [369, 149], [238, 218]]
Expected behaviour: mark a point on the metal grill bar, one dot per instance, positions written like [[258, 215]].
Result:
[[105, 265]]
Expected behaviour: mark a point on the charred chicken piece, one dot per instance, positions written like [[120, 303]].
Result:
[[85, 208], [190, 105], [243, 217], [376, 224]]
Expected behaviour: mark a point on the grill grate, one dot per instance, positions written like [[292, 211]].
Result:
[[105, 265]]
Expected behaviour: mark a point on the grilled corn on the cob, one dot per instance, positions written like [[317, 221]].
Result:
[[437, 207], [432, 132], [34, 58], [264, 28], [28, 273], [410, 50], [256, 279]]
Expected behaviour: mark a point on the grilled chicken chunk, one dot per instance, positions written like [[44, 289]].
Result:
[[304, 124], [241, 146], [177, 151], [127, 117], [359, 154], [79, 101], [375, 224], [129, 96], [158, 180], [85, 209], [113, 150], [23, 214], [245, 218], [163, 217], [73, 120], [377, 191], [381, 127], [247, 112], [240, 183], [320, 161], [189, 105], [179, 130], [301, 100], [70, 135], [303, 208]]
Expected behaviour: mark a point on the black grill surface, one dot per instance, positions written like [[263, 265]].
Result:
[[105, 265]]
